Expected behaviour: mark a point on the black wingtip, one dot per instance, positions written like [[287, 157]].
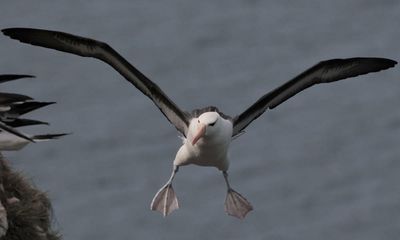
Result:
[[13, 31], [17, 76], [380, 63], [22, 34], [50, 136], [27, 76], [47, 103], [6, 30], [388, 62], [27, 107], [23, 122], [12, 77]]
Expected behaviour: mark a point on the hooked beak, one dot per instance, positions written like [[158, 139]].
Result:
[[200, 133]]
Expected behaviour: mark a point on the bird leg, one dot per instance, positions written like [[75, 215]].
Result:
[[235, 204], [165, 200]]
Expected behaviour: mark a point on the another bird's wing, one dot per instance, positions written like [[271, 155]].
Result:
[[22, 122], [26, 107], [91, 48], [11, 77], [11, 130], [47, 137], [9, 98], [323, 72]]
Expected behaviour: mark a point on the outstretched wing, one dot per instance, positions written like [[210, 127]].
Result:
[[86, 47], [324, 72]]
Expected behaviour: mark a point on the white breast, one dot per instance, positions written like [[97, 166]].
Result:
[[211, 150]]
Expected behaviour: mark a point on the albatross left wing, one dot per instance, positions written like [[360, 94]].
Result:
[[86, 47], [324, 72]]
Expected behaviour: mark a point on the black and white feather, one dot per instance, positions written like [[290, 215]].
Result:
[[12, 106]]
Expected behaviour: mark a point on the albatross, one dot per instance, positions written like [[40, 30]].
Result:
[[207, 132]]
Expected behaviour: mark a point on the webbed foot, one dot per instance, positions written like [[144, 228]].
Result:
[[165, 200], [236, 205]]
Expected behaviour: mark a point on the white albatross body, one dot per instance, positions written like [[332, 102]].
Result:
[[212, 148], [207, 132]]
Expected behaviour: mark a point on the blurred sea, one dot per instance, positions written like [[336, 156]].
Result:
[[324, 165]]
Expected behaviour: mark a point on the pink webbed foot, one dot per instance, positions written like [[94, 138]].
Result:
[[165, 201], [236, 205]]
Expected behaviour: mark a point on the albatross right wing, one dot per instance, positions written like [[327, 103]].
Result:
[[324, 72], [86, 47]]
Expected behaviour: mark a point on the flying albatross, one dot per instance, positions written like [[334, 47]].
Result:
[[207, 132]]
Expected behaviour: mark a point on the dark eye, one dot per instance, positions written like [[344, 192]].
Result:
[[212, 124], [198, 120]]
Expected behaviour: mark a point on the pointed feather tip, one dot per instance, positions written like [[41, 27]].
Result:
[[16, 76], [44, 104], [65, 134], [13, 31], [38, 105], [385, 63], [389, 62], [45, 137], [58, 135], [10, 32], [20, 34], [26, 76]]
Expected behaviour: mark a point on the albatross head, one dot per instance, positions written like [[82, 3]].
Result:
[[207, 124]]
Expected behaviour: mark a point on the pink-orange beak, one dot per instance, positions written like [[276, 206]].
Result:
[[200, 133]]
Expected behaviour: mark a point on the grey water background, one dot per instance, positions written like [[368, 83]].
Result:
[[324, 165]]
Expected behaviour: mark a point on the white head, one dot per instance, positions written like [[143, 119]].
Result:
[[207, 124]]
